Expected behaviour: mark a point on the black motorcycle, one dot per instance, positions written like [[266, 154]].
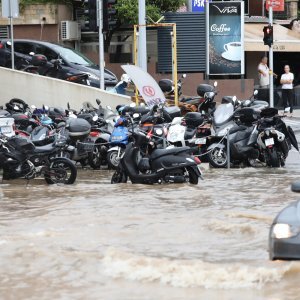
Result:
[[146, 166], [20, 158], [275, 138]]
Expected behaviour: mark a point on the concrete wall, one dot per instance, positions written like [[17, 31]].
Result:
[[39, 90]]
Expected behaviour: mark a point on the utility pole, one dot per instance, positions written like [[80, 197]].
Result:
[[142, 36], [101, 43], [271, 94]]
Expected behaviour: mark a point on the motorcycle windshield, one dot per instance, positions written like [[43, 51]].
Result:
[[223, 113]]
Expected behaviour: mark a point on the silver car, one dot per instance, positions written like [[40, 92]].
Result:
[[284, 237]]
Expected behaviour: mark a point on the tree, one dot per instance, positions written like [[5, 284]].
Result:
[[127, 10], [127, 13]]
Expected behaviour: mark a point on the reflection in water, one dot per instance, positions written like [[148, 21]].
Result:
[[94, 240]]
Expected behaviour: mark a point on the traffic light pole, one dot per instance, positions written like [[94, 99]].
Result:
[[271, 94], [101, 44]]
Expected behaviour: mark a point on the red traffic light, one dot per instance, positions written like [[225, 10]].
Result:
[[268, 35]]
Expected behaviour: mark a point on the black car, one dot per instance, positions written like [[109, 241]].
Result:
[[73, 62]]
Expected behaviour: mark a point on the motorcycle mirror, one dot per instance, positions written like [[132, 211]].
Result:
[[95, 118], [98, 101], [136, 116], [68, 105], [215, 83], [8, 43], [46, 107], [132, 104], [255, 92], [183, 75]]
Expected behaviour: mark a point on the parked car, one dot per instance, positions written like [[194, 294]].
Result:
[[284, 237], [73, 62]]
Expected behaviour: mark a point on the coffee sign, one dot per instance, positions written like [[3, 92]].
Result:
[[225, 38]]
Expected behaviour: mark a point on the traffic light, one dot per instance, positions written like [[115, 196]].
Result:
[[90, 15], [109, 15], [268, 35]]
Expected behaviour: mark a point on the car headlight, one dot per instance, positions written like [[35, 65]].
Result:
[[284, 231], [93, 76]]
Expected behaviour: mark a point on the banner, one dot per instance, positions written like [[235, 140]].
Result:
[[225, 38], [277, 5], [146, 85]]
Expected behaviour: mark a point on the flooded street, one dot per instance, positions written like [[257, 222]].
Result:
[[95, 240]]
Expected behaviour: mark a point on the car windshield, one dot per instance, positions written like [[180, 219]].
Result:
[[74, 56]]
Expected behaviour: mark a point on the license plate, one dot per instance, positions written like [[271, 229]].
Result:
[[269, 142], [200, 141], [6, 129]]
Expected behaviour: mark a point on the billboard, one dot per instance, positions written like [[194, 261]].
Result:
[[225, 38]]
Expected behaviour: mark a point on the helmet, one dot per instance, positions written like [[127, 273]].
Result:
[[125, 78]]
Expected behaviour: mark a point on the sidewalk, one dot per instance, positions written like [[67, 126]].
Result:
[[296, 114]]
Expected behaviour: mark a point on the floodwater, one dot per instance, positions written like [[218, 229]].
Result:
[[95, 240]]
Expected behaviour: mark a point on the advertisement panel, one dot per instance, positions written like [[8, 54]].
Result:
[[225, 38]]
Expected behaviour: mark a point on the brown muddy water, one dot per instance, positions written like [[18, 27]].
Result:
[[95, 240]]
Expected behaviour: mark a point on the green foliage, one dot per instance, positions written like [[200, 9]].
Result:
[[128, 9], [28, 2]]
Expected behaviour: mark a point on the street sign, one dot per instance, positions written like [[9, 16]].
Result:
[[198, 5], [277, 5], [10, 8]]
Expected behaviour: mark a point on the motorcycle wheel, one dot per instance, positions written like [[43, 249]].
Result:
[[95, 158], [113, 159], [61, 170], [273, 159], [217, 158], [193, 177], [118, 177]]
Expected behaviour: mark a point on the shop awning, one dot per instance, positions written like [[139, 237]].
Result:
[[285, 40]]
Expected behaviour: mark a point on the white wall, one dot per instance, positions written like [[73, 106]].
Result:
[[39, 90]]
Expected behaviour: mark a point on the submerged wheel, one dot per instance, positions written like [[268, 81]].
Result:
[[273, 158], [217, 157], [113, 159], [193, 176], [95, 157], [119, 177], [61, 170]]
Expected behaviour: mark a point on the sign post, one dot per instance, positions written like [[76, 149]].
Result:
[[101, 43], [272, 5], [10, 10]]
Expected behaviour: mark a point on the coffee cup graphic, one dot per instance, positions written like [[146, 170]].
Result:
[[232, 51]]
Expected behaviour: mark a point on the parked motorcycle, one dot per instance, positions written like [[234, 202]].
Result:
[[20, 158], [275, 138], [141, 164], [40, 65]]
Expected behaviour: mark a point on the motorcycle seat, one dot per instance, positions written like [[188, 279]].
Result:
[[44, 149], [162, 152], [189, 133]]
